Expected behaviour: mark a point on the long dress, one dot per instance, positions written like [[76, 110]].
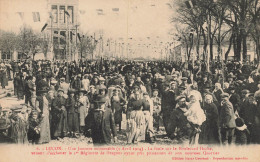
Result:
[[83, 109], [210, 133], [45, 135], [3, 77], [73, 116], [135, 122], [59, 119]]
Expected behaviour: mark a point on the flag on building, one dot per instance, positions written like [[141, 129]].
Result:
[[79, 37], [36, 16], [115, 9], [82, 12], [100, 12], [45, 25], [67, 13], [21, 14], [50, 15]]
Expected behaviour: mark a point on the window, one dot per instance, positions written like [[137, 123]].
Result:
[[56, 40], [3, 55], [20, 54], [54, 12], [62, 37], [62, 14], [8, 55], [70, 11]]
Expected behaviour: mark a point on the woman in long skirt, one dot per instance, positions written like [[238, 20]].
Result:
[[135, 120], [43, 105], [83, 109]]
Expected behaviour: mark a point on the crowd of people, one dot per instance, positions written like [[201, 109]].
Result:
[[88, 98]]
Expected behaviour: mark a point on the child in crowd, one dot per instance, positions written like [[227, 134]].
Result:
[[34, 129], [241, 132], [195, 114]]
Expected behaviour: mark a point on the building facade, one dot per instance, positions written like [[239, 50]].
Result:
[[63, 27]]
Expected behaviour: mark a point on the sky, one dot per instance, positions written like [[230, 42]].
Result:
[[146, 21]]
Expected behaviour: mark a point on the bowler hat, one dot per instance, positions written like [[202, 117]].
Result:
[[184, 78], [231, 76], [44, 90], [245, 91], [71, 90], [82, 90], [224, 95], [60, 89], [180, 97], [239, 122], [100, 99]]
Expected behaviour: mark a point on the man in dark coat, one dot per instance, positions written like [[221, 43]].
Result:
[[100, 122], [73, 114], [29, 88], [59, 116], [16, 83], [77, 83], [248, 113], [168, 104], [20, 87], [204, 83], [179, 120], [42, 83], [227, 119], [234, 99]]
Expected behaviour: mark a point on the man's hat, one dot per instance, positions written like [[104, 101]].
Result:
[[251, 95], [34, 113], [180, 97], [6, 110], [182, 87], [102, 87], [82, 90], [205, 75], [207, 85], [101, 79], [245, 91], [239, 122], [60, 89], [173, 82], [62, 79], [17, 109], [231, 76], [156, 90], [100, 99], [44, 90], [174, 75], [224, 95], [71, 90], [54, 82], [232, 87], [184, 78]]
